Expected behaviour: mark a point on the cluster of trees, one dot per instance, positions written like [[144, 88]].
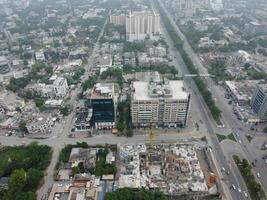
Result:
[[235, 46], [255, 189], [101, 166], [113, 72], [24, 166], [129, 194], [134, 47], [65, 152], [65, 110], [76, 77], [192, 34], [256, 75], [79, 169], [262, 42], [263, 52], [178, 43], [33, 95], [217, 68], [16, 84], [124, 122], [22, 126], [89, 83]]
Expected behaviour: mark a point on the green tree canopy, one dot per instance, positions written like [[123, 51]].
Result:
[[17, 181]]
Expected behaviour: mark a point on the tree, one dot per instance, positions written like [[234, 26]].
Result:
[[81, 167], [125, 194], [75, 170], [64, 110], [16, 181], [110, 196], [33, 179], [129, 132], [18, 109], [120, 126], [22, 126], [25, 196]]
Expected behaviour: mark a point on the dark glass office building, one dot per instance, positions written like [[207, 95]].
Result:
[[103, 110]]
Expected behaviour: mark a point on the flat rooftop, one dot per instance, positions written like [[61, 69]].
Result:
[[171, 90], [103, 91]]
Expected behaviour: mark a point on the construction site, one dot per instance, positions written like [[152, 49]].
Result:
[[175, 169]]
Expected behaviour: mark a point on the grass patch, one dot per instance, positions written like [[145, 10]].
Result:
[[221, 137], [224, 137], [231, 137], [254, 188], [249, 137]]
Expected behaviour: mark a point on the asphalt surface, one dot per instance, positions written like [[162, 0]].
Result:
[[199, 111], [206, 117]]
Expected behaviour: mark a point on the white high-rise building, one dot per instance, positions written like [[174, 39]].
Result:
[[140, 25], [216, 5], [159, 103]]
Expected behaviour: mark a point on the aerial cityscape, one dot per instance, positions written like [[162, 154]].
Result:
[[133, 99]]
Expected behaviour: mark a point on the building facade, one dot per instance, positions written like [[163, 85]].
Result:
[[259, 101], [103, 105], [163, 103], [60, 87], [140, 25], [117, 19]]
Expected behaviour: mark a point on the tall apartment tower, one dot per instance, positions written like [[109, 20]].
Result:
[[140, 25], [161, 103], [259, 101]]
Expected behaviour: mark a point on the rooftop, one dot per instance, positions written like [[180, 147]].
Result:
[[103, 91], [263, 87], [152, 90]]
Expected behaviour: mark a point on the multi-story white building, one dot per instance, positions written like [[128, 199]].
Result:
[[117, 19], [216, 5], [39, 56], [161, 103], [140, 25], [60, 87], [259, 101]]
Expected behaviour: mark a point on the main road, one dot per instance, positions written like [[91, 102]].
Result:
[[200, 108], [230, 121]]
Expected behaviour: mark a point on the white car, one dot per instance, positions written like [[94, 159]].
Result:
[[246, 194], [258, 175], [239, 190], [233, 186]]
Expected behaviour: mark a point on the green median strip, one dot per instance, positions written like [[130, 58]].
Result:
[[224, 137], [254, 188], [178, 43]]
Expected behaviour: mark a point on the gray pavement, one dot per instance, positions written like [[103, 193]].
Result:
[[202, 109]]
